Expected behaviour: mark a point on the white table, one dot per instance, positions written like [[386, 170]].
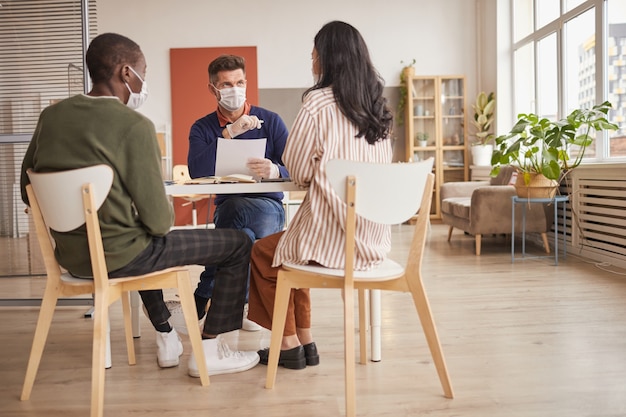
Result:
[[231, 188]]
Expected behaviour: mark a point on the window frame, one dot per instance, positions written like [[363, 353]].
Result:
[[601, 61]]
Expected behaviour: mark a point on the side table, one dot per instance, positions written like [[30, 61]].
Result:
[[562, 199]]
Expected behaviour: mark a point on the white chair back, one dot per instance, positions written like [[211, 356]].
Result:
[[60, 196], [382, 189]]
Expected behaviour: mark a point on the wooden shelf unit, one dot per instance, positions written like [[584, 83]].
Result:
[[435, 105]]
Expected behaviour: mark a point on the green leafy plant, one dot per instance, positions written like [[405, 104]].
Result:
[[422, 136], [539, 145], [403, 92], [483, 118]]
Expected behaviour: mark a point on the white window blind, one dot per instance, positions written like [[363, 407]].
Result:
[[41, 57], [41, 61]]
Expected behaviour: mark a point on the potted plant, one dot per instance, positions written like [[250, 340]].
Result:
[[482, 145], [422, 138], [540, 148], [403, 92]]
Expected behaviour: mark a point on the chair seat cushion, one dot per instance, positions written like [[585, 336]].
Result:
[[69, 278], [457, 206], [388, 269]]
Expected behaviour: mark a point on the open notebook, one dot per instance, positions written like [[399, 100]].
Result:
[[219, 180]]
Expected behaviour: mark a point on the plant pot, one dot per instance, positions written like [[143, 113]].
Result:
[[422, 143], [481, 154], [538, 187]]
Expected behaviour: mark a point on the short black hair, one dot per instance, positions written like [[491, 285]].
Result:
[[106, 52], [225, 63]]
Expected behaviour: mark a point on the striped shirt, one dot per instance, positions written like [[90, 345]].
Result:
[[316, 233]]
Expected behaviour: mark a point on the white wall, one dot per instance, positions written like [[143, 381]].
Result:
[[439, 34]]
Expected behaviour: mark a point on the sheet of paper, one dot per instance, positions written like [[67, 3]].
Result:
[[232, 155]]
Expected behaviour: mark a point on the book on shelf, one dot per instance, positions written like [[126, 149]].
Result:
[[232, 178]]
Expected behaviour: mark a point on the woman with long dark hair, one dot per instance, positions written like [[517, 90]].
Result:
[[343, 116]]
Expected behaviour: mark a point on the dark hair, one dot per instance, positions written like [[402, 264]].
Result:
[[225, 63], [346, 66], [106, 52]]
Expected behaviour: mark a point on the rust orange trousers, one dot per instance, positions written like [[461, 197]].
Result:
[[263, 290]]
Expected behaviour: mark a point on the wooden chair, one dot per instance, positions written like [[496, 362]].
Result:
[[63, 201], [382, 193], [180, 173]]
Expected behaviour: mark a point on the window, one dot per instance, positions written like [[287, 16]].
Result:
[[41, 60], [41, 51], [525, 79], [547, 77], [616, 74], [571, 54], [547, 11], [523, 22]]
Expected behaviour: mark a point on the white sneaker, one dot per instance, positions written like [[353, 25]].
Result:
[[221, 360], [169, 348], [177, 320], [247, 324]]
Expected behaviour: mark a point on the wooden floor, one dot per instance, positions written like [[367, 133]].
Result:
[[527, 339]]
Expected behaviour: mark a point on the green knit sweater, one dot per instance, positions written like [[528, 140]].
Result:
[[83, 131]]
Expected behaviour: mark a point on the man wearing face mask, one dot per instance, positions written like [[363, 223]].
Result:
[[100, 128], [259, 215]]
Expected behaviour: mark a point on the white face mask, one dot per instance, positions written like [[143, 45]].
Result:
[[137, 99], [316, 77], [232, 98]]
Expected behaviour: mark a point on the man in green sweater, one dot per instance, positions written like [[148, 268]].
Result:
[[102, 127]]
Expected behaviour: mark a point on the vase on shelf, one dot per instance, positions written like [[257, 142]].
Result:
[[481, 154]]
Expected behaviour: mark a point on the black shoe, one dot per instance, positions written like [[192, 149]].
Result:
[[311, 355], [290, 359]]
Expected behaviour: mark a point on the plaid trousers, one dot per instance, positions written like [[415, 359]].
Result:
[[227, 249]]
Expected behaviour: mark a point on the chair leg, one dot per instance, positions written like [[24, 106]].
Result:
[[108, 362], [191, 320], [478, 241], [128, 327], [194, 214], [283, 290], [100, 323], [135, 306], [430, 331], [363, 326], [348, 326], [46, 312], [450, 233], [546, 245]]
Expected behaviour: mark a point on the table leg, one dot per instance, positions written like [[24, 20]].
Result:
[[375, 319], [523, 230], [556, 233], [513, 231], [564, 236], [135, 306]]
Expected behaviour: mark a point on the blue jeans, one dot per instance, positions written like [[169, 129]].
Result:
[[257, 216]]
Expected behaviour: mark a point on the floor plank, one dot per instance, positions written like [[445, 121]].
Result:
[[527, 339]]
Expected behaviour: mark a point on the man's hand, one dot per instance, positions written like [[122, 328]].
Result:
[[243, 124], [263, 168]]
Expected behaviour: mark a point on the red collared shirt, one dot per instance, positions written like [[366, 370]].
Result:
[[224, 121]]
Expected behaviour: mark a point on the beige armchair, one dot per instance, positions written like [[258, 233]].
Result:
[[484, 208]]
